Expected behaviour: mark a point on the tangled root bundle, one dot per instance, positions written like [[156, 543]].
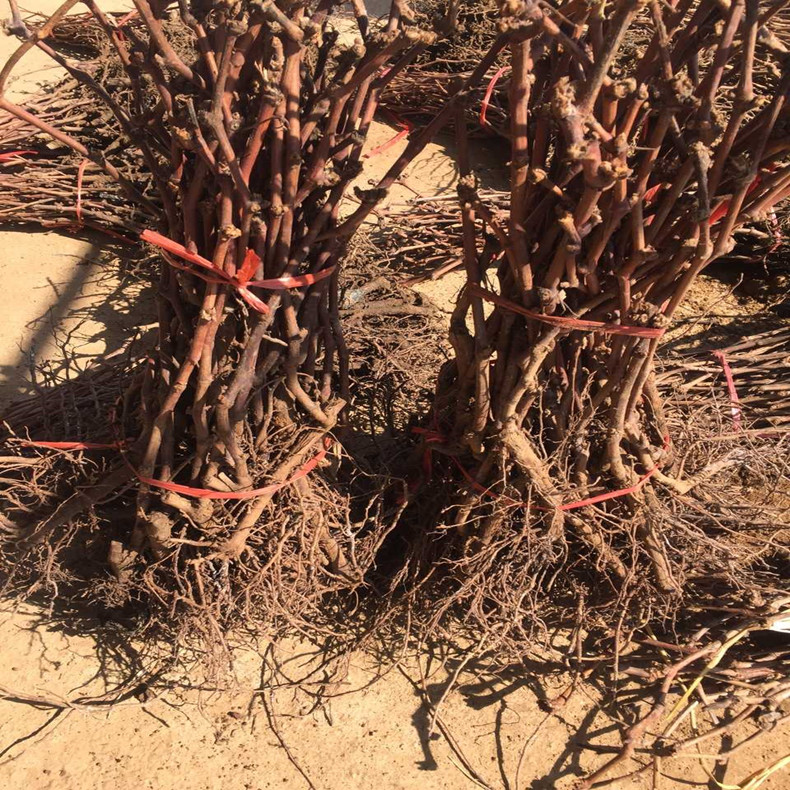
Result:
[[219, 489], [629, 176]]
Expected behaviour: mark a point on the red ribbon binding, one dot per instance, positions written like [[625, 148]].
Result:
[[406, 128], [10, 156], [723, 207], [76, 445], [125, 19], [621, 491], [565, 321], [489, 93], [79, 223], [241, 281], [650, 194], [80, 175], [735, 408], [434, 437], [197, 493]]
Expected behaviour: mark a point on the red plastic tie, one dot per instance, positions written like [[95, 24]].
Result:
[[272, 488], [482, 489], [75, 445], [489, 93], [651, 193], [622, 491], [566, 321], [79, 223], [80, 174], [241, 281], [721, 210], [73, 226], [735, 408], [10, 156], [433, 436], [406, 129], [123, 21], [197, 493]]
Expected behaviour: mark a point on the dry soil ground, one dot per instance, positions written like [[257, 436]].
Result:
[[64, 301]]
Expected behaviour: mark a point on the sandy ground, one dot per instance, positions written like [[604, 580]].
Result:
[[65, 301], [370, 730], [220, 738]]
